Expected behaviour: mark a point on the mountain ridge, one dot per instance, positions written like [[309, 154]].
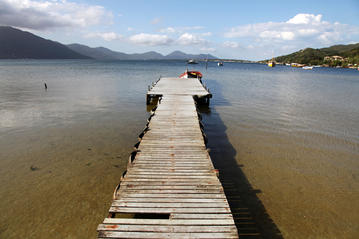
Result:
[[18, 44], [103, 53]]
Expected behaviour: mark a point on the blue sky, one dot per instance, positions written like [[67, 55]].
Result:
[[251, 30]]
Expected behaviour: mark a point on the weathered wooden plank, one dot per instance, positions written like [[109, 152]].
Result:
[[136, 221], [169, 204], [170, 183], [200, 216], [184, 191], [172, 195], [171, 200], [133, 173], [171, 187], [169, 210], [114, 234], [165, 228], [197, 181]]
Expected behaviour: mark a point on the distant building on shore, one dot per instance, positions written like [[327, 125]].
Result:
[[334, 58]]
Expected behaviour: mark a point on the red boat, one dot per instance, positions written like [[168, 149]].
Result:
[[191, 74]]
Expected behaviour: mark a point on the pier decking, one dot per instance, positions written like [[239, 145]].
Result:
[[171, 189], [176, 86]]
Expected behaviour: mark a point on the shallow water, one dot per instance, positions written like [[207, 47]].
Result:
[[283, 137]]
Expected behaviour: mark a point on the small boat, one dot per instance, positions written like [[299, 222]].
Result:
[[297, 65], [191, 74], [271, 64], [307, 67], [220, 63], [192, 62]]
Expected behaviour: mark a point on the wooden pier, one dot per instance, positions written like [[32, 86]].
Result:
[[170, 188], [176, 86]]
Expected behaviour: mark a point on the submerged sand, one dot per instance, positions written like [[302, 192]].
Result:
[[58, 182], [307, 182]]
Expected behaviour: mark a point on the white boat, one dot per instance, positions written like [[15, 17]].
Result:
[[307, 67], [220, 63], [192, 62]]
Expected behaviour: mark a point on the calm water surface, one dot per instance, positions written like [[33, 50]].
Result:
[[284, 137]]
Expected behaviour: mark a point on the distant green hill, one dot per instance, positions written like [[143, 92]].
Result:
[[311, 56]]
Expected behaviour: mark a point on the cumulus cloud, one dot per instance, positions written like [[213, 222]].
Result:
[[193, 28], [206, 34], [208, 49], [190, 39], [168, 30], [302, 27], [180, 29], [231, 44], [42, 15], [303, 18], [150, 39], [107, 36]]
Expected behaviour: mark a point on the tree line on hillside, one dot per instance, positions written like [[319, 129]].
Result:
[[339, 55]]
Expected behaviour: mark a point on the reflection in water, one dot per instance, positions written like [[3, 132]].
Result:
[[250, 216]]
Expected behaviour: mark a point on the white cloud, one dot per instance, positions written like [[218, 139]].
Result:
[[189, 28], [129, 29], [303, 18], [208, 49], [168, 30], [42, 15], [190, 39], [302, 28], [150, 39], [107, 36], [206, 34], [285, 35], [231, 44], [181, 29], [308, 32]]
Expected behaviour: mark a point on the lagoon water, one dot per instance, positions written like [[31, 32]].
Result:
[[286, 142]]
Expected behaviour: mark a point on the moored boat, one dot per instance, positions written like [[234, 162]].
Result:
[[296, 65], [307, 67], [191, 74], [192, 62], [271, 64], [220, 63]]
